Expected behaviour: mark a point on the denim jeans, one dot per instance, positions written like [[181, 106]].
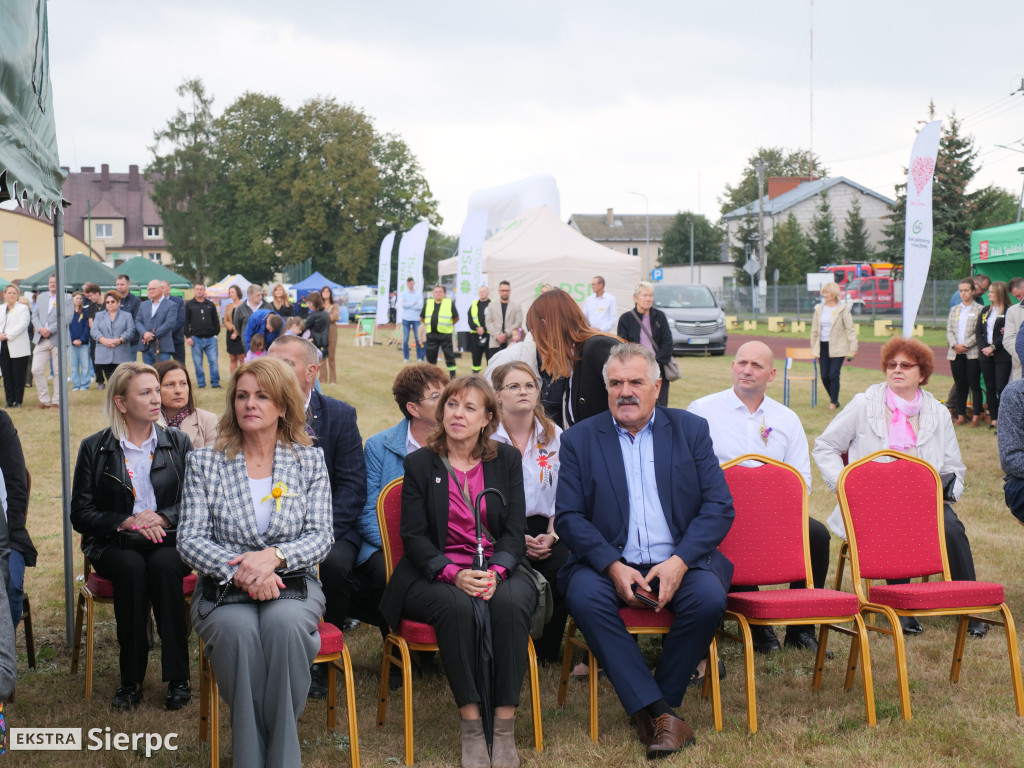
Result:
[[209, 346], [81, 370], [149, 357], [414, 326]]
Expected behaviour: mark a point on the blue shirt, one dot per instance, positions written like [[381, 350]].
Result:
[[411, 303], [649, 538]]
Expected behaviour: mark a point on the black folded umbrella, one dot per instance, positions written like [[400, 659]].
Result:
[[482, 619]]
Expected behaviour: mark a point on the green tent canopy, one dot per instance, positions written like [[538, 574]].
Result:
[[141, 270], [78, 269], [999, 251]]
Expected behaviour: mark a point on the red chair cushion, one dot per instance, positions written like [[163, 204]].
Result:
[[937, 594], [189, 583], [417, 632], [645, 617], [792, 603], [331, 638], [99, 586]]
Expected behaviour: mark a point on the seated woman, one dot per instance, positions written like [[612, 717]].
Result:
[[898, 414], [525, 426], [128, 478], [435, 581], [179, 407], [257, 506]]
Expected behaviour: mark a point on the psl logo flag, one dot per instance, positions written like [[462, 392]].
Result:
[[410, 255], [384, 278], [469, 273], [917, 244]]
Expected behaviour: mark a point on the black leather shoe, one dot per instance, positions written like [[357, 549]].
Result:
[[394, 678], [127, 697], [317, 682], [179, 693], [764, 638], [910, 625], [801, 637], [698, 681], [977, 629]]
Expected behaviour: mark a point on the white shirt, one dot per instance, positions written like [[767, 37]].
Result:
[[410, 441], [262, 503], [991, 325], [602, 313], [540, 470], [961, 329], [828, 317], [735, 430], [139, 460]]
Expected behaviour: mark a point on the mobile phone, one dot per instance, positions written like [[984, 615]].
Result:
[[645, 596]]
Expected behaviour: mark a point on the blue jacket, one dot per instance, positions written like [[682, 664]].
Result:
[[179, 322], [384, 454], [160, 324], [334, 425], [258, 324], [592, 504], [79, 327]]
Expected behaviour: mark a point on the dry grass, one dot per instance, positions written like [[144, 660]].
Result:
[[969, 723]]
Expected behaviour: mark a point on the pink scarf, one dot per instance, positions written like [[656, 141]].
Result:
[[901, 434]]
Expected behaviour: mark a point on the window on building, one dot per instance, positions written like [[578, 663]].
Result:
[[10, 254], [104, 231], [633, 251], [153, 233], [154, 255]]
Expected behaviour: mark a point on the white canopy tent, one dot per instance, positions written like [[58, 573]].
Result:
[[219, 290], [537, 248]]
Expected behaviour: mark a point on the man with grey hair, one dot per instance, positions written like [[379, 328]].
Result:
[[48, 341], [600, 307], [633, 531], [254, 301]]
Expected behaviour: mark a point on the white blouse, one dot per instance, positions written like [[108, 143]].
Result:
[[540, 470]]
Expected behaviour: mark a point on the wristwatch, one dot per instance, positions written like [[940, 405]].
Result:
[[554, 536], [280, 556]]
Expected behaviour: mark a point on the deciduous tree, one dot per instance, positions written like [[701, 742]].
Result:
[[707, 240]]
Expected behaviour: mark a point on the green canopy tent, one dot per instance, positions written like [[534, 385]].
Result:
[[30, 173], [999, 251], [141, 270], [78, 269], [4, 283]]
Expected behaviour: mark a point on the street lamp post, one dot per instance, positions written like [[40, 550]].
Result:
[[1020, 205], [647, 237]]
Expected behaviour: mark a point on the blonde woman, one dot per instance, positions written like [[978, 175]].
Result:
[[833, 337]]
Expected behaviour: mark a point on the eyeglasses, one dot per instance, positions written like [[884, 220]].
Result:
[[514, 389], [432, 399], [892, 365], [111, 301]]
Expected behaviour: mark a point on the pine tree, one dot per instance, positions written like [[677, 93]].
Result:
[[855, 238], [788, 253], [745, 247], [824, 244]]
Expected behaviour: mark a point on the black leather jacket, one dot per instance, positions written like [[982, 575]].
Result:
[[102, 496]]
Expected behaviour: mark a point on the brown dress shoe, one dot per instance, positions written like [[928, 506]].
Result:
[[671, 734], [644, 727]]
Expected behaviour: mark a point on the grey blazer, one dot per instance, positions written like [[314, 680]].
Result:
[[45, 316], [217, 521], [122, 327]]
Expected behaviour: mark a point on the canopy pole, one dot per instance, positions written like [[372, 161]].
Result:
[[61, 385]]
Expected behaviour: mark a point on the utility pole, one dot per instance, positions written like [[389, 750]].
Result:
[[762, 287]]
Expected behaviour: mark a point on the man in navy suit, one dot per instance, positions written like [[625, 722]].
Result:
[[155, 323], [178, 335], [642, 504], [333, 425]]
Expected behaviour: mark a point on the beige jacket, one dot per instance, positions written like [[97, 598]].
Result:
[[513, 321], [842, 341], [953, 324], [1014, 317], [201, 427]]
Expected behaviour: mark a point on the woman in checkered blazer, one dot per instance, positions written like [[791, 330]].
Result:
[[257, 509]]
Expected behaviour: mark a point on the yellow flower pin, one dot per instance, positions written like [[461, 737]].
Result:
[[276, 493]]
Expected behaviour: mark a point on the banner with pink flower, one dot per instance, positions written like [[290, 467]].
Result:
[[917, 244]]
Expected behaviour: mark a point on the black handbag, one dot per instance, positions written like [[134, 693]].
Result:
[[210, 591], [135, 540]]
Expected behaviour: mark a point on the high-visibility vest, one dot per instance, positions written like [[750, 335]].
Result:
[[444, 317], [475, 320]]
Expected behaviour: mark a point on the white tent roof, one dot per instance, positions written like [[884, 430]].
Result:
[[220, 290], [537, 248]]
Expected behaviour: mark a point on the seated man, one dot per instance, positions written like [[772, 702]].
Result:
[[642, 503], [745, 420]]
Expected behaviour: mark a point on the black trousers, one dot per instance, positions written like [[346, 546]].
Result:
[[13, 370], [351, 590], [141, 578], [958, 549], [663, 393], [830, 368], [449, 611], [549, 645], [996, 370], [966, 375], [104, 371], [442, 341], [479, 346]]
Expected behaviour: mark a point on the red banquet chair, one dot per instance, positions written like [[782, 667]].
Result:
[[893, 512], [768, 545], [417, 636]]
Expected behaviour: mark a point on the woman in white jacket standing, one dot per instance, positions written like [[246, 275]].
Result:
[[833, 337], [898, 414], [15, 348]]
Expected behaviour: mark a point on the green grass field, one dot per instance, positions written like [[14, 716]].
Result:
[[970, 723]]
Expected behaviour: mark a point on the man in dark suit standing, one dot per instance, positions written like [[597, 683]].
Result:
[[333, 426], [178, 334], [155, 324], [643, 505]]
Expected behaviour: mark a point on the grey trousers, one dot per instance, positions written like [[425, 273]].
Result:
[[261, 656]]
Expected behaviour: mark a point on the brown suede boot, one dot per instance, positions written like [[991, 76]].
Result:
[[503, 750], [474, 746]]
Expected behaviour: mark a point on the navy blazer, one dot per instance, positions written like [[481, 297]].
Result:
[[161, 324], [178, 334], [592, 505], [336, 432]]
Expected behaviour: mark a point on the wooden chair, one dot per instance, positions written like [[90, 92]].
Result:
[[802, 355], [333, 652], [893, 512], [97, 590], [417, 636], [768, 544]]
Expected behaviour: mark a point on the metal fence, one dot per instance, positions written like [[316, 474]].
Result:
[[795, 302]]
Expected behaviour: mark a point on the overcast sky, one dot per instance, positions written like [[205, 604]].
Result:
[[664, 98]]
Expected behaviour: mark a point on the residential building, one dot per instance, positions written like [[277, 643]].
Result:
[[625, 233], [26, 244]]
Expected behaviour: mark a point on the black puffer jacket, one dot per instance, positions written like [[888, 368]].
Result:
[[630, 330], [102, 496]]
